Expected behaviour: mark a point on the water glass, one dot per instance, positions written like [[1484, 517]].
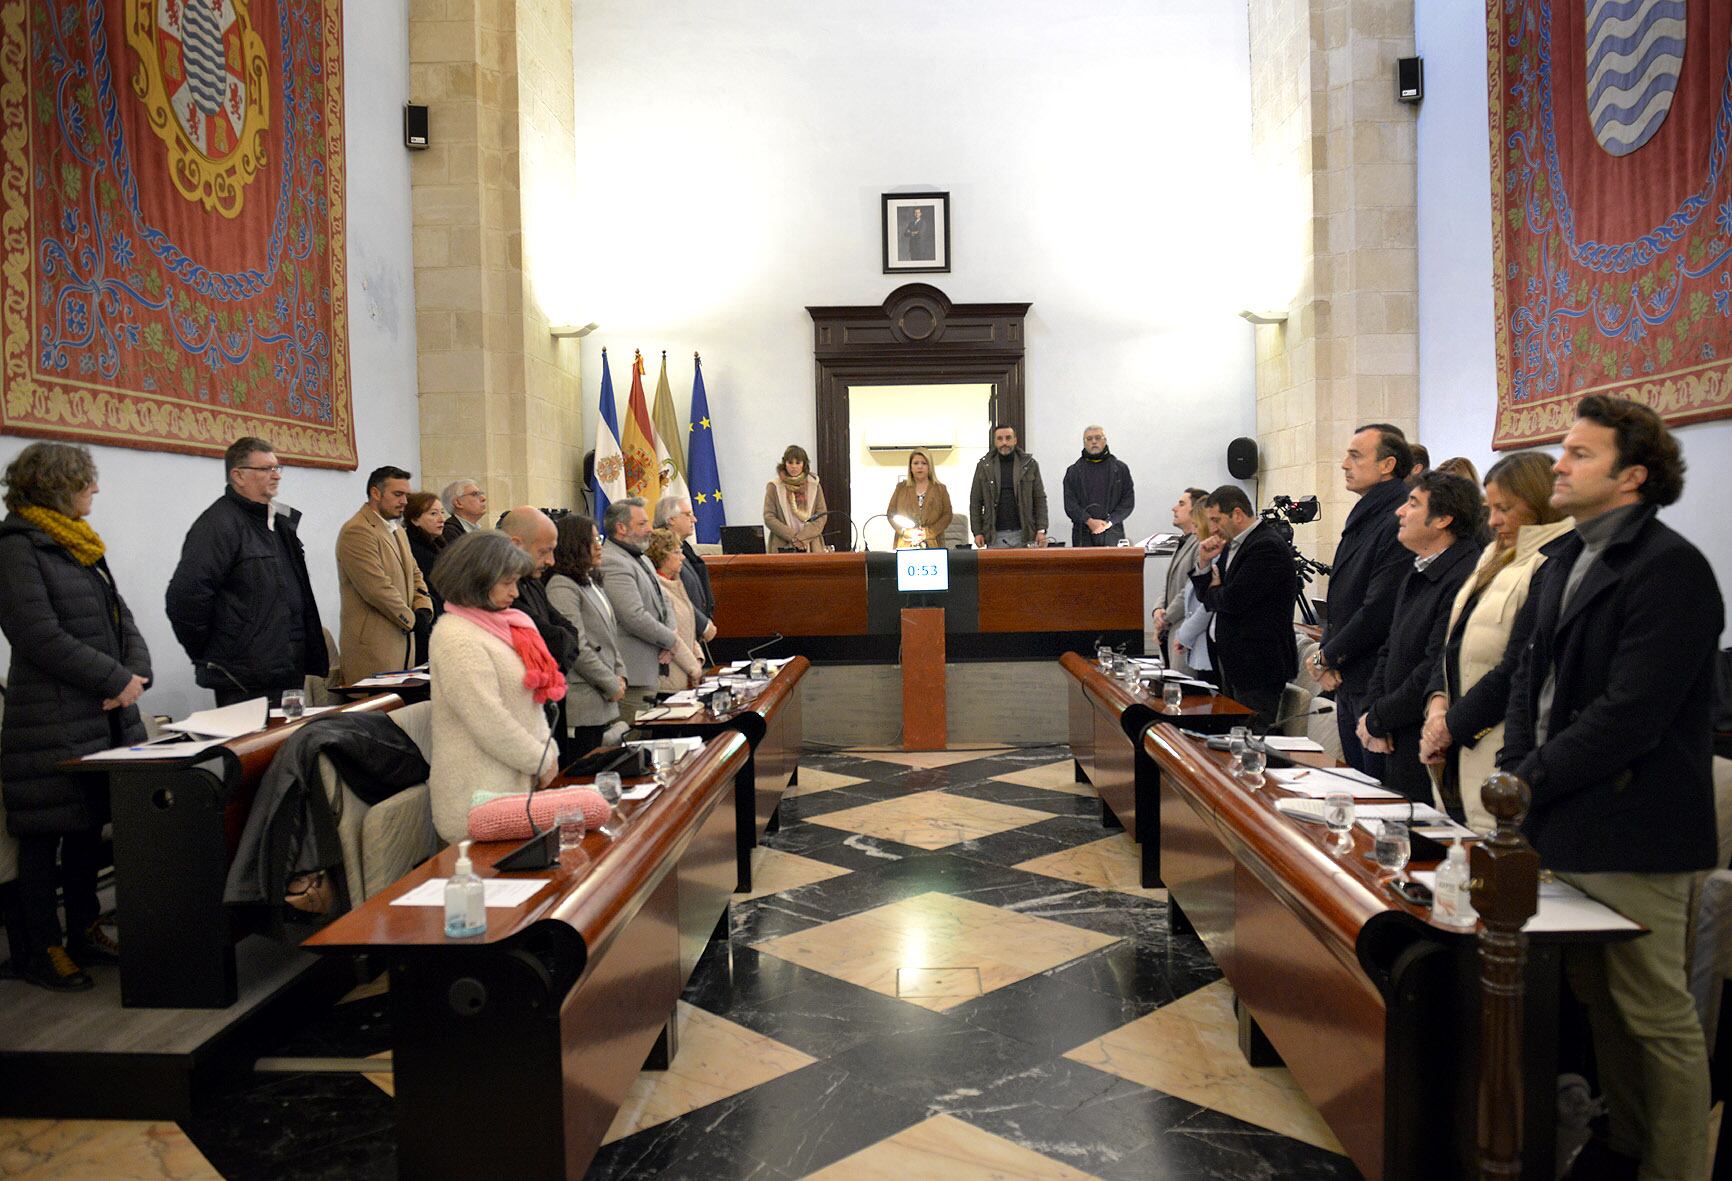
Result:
[[607, 784], [571, 828], [1338, 816], [760, 669], [294, 703], [1393, 846], [1104, 655], [662, 759], [1173, 696], [1253, 760], [1236, 744]]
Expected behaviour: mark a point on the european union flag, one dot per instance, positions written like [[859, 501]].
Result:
[[701, 474]]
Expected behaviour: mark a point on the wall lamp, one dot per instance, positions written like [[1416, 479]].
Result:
[[562, 331], [1269, 317]]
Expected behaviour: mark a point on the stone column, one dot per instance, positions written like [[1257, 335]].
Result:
[[499, 396], [1326, 122]]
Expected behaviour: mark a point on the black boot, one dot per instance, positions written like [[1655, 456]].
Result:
[[55, 970]]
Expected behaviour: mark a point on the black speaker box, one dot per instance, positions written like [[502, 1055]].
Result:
[[1242, 458], [1410, 79], [414, 126]]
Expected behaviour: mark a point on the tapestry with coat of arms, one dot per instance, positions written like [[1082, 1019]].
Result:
[[172, 222], [1611, 122]]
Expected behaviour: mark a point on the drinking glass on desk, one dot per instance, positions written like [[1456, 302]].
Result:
[[1393, 847], [1338, 817], [662, 759], [1236, 743], [294, 703], [571, 828], [1173, 696], [607, 784], [1252, 761], [1104, 655]]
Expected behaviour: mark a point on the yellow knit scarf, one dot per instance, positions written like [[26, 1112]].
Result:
[[72, 534]]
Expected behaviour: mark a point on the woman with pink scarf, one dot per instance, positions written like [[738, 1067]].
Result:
[[492, 680]]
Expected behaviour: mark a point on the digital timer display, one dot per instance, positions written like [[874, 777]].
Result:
[[921, 570]]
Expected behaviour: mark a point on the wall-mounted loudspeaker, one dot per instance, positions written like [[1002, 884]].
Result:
[[414, 126], [1242, 458], [1409, 79]]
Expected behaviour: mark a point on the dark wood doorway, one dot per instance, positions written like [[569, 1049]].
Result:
[[917, 336]]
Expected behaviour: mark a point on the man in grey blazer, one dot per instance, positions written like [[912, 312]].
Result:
[[1171, 609], [644, 615]]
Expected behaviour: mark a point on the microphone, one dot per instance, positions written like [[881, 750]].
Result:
[[1327, 708], [775, 639], [541, 850], [836, 512]]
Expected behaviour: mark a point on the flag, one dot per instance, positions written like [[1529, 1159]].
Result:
[[638, 441], [608, 482], [701, 474], [670, 455]]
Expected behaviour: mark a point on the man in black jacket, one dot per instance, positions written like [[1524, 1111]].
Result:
[[1370, 565], [534, 532], [1098, 495], [240, 601], [1245, 575], [1609, 724], [1439, 526]]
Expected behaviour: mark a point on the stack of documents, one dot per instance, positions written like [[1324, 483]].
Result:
[[1562, 908], [1318, 782]]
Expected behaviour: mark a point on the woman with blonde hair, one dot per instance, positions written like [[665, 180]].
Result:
[[919, 497], [1191, 633], [794, 505], [1470, 689], [686, 668]]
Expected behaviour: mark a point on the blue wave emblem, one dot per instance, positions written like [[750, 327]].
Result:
[[201, 43], [1635, 50]]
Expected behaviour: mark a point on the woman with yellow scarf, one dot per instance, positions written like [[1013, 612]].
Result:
[[794, 510], [78, 668]]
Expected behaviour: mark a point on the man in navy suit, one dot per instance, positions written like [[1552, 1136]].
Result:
[[1610, 724], [1245, 575]]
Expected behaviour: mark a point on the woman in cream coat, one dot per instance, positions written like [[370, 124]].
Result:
[[794, 505], [687, 667], [1470, 690], [490, 730]]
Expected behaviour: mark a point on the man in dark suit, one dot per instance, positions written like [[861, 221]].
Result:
[[1439, 527], [1245, 575], [1370, 565], [1609, 724]]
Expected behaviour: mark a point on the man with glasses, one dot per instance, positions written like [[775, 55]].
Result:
[[240, 601], [465, 508]]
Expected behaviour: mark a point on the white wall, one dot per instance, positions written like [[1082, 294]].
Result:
[[149, 498], [884, 414], [1457, 365], [731, 159]]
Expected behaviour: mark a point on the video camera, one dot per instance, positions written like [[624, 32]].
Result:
[[1283, 513]]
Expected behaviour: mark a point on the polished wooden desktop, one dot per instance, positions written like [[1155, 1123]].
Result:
[[512, 1051], [1003, 603], [1107, 721], [1372, 1006], [771, 723]]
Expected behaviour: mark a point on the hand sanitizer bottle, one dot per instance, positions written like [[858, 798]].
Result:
[[1452, 904], [465, 899]]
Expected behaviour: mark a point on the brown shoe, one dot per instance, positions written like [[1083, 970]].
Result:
[[311, 892], [55, 970], [94, 946]]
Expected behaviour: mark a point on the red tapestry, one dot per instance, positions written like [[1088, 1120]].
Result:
[[1612, 235], [171, 212]]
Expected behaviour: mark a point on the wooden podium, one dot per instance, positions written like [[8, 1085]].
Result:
[[924, 726]]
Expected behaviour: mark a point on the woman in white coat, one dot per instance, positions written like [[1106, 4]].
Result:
[[1470, 689], [492, 678]]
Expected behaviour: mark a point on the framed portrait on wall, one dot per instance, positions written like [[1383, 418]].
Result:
[[916, 233]]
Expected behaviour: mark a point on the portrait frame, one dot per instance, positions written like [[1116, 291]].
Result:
[[911, 250]]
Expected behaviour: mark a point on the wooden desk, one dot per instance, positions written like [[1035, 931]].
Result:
[[177, 823], [1107, 721], [1002, 605], [512, 1051], [771, 723], [1373, 1008]]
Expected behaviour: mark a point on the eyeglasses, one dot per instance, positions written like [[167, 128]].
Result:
[[275, 469]]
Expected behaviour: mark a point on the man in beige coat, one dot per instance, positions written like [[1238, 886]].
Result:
[[383, 594]]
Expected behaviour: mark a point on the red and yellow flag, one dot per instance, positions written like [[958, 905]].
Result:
[[638, 442]]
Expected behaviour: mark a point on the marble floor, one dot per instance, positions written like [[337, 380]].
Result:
[[947, 970]]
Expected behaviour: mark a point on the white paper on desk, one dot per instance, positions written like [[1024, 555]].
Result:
[[778, 662], [312, 711], [1420, 814], [1285, 742], [1562, 908], [500, 892], [231, 721], [682, 746], [1318, 783], [642, 791], [388, 680], [683, 697], [152, 751]]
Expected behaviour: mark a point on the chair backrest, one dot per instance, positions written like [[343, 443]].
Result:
[[1295, 703], [956, 534], [417, 722]]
